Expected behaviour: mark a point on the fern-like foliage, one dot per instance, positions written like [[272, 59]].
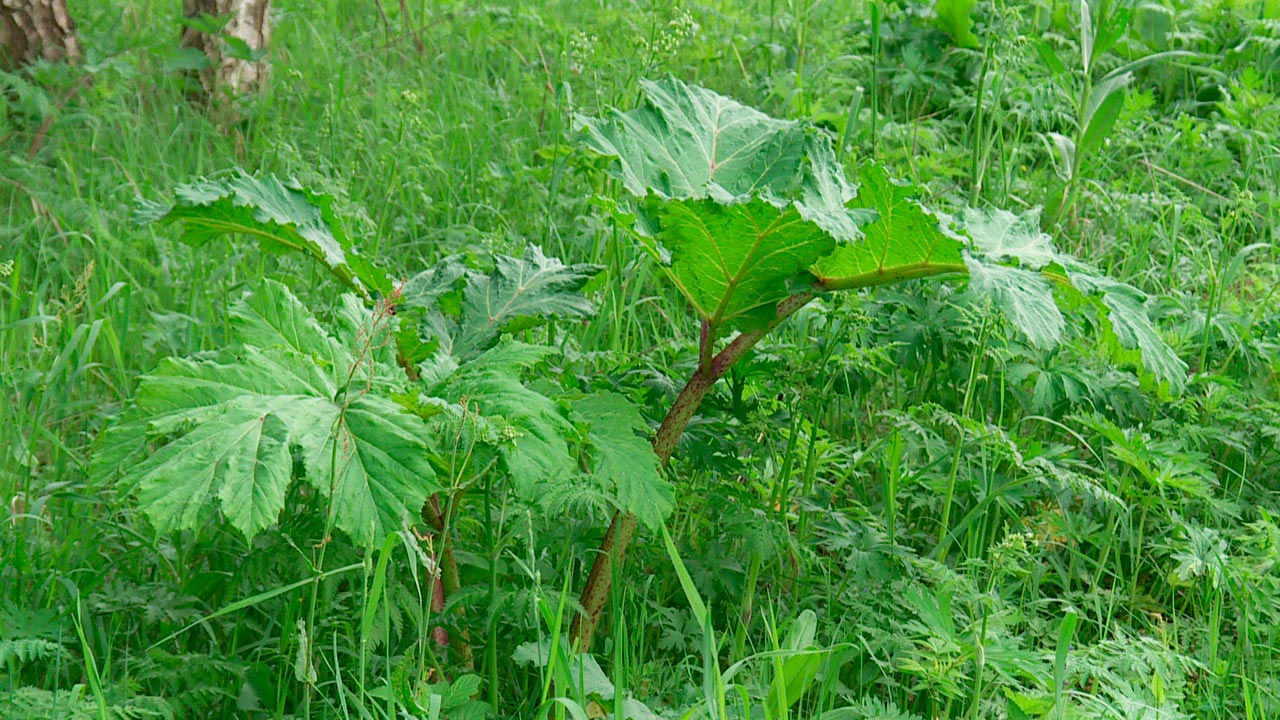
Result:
[[28, 703], [31, 650], [198, 684]]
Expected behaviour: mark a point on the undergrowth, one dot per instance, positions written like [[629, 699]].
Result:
[[898, 504]]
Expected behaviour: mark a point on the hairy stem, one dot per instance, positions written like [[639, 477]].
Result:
[[595, 595], [447, 582]]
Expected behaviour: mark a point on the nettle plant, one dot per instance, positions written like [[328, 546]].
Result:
[[412, 391]]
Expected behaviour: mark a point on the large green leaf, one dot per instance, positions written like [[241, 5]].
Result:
[[623, 458], [224, 430], [744, 210], [371, 459], [1025, 297], [271, 317], [534, 426], [281, 214], [1023, 293], [517, 291], [184, 391], [241, 455], [1123, 308], [517, 294], [1001, 236], [733, 261], [738, 202], [905, 241], [689, 143], [466, 313], [955, 18]]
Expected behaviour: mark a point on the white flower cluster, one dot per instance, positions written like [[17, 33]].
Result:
[[677, 30], [582, 51]]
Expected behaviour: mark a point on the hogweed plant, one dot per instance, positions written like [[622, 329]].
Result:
[[406, 399], [752, 217], [409, 394]]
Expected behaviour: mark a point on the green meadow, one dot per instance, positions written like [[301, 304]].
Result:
[[758, 359]]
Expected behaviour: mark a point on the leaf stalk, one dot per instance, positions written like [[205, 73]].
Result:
[[613, 548]]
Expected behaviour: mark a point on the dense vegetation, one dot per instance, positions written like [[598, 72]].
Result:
[[983, 421]]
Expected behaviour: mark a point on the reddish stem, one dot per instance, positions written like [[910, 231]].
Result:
[[595, 595]]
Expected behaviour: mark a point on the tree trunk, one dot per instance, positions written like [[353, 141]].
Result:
[[31, 30], [230, 71]]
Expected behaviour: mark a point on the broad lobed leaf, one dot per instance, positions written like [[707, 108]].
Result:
[[240, 456], [1025, 297], [955, 18], [372, 461], [224, 430], [689, 142], [742, 202], [733, 261], [743, 209], [281, 214], [1123, 310], [517, 294], [623, 457], [1001, 236], [536, 451], [904, 241], [527, 289], [540, 445]]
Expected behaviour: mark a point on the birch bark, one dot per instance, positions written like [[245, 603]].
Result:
[[31, 30], [251, 22]]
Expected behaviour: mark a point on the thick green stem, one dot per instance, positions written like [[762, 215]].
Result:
[[614, 547], [878, 277]]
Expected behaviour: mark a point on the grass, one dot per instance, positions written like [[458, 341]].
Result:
[[976, 527]]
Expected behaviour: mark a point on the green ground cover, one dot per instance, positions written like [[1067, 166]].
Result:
[[1003, 442]]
